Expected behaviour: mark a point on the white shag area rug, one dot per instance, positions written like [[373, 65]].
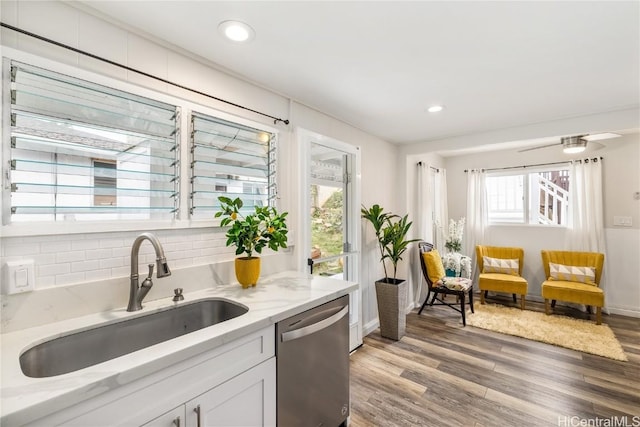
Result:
[[576, 334]]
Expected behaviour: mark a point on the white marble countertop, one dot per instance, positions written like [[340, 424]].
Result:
[[24, 399]]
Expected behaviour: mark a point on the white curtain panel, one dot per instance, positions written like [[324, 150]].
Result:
[[585, 227], [425, 203], [441, 211], [432, 209], [476, 215], [424, 219]]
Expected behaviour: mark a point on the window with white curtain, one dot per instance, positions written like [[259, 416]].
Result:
[[232, 160], [539, 197], [82, 151]]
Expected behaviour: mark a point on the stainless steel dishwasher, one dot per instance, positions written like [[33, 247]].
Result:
[[313, 366]]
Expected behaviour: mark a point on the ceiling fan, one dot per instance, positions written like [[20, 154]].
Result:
[[576, 143]]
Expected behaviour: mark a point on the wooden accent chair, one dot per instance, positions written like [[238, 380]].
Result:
[[573, 277], [438, 284], [501, 271]]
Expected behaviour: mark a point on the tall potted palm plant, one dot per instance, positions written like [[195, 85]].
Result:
[[391, 232]]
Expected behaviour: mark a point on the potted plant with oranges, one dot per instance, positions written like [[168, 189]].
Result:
[[250, 234]]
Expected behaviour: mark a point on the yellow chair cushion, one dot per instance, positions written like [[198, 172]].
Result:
[[435, 268], [575, 292], [500, 282], [571, 273]]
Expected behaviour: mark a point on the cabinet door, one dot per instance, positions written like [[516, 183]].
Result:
[[246, 400], [173, 418]]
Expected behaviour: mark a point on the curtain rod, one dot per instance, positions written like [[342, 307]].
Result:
[[108, 61], [595, 159], [432, 168]]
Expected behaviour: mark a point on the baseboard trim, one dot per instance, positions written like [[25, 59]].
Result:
[[624, 312], [370, 327]]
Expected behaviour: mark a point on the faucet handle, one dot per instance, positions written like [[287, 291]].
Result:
[[150, 271], [178, 294]]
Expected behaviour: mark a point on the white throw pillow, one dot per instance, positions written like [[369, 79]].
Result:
[[572, 273], [499, 265]]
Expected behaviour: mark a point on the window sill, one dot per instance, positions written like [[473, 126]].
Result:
[[77, 227]]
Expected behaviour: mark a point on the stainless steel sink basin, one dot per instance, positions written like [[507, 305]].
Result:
[[90, 347]]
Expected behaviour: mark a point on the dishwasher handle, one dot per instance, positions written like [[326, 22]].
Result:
[[315, 327]]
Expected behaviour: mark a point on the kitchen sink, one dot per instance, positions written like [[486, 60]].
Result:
[[90, 347]]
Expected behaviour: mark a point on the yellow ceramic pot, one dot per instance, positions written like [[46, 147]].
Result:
[[247, 270]]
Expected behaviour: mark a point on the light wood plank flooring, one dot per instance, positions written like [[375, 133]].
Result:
[[441, 374]]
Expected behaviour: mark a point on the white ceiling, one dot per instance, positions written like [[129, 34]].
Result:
[[380, 65]]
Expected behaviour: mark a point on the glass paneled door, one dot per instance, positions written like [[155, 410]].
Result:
[[329, 203], [332, 201]]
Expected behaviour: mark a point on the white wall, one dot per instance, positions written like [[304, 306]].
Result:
[[75, 258]]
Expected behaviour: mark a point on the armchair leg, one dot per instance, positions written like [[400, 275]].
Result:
[[514, 298], [462, 310], [482, 297], [598, 315], [433, 299], [522, 303], [547, 310]]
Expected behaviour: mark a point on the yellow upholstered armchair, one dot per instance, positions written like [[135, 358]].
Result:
[[573, 277], [501, 271]]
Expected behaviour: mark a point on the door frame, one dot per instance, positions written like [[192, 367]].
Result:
[[305, 138]]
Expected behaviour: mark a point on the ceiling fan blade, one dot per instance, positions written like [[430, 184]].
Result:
[[600, 136], [594, 146], [538, 147]]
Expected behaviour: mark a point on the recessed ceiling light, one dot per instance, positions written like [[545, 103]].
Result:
[[236, 31], [435, 108]]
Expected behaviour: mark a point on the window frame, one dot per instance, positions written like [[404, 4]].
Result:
[[182, 220], [527, 209]]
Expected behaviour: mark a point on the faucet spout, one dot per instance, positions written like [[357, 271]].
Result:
[[136, 292]]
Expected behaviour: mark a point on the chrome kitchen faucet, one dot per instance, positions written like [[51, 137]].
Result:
[[137, 293]]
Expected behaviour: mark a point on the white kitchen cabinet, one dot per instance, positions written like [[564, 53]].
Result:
[[246, 400]]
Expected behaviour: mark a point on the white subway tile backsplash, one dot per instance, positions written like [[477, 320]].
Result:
[[73, 258], [70, 256], [52, 269], [88, 266], [55, 246], [111, 262], [85, 244], [43, 259], [98, 254], [18, 249], [111, 243], [121, 252]]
